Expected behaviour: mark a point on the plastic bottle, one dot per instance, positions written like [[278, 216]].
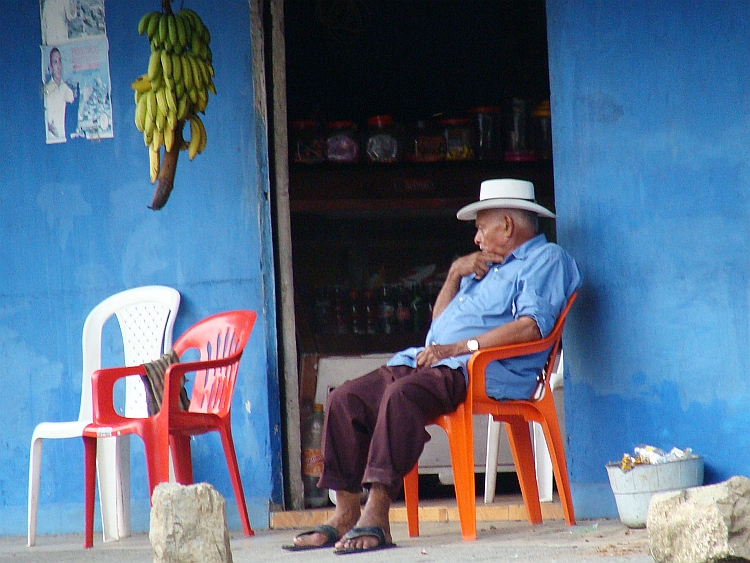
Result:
[[341, 310], [403, 311], [370, 313], [312, 459], [417, 306], [387, 312], [358, 325]]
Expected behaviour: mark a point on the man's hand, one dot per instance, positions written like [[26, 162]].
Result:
[[435, 352], [477, 263]]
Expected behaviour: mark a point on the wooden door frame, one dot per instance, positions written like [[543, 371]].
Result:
[[269, 82]]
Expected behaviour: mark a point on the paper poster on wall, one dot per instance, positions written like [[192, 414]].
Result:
[[75, 71], [66, 20]]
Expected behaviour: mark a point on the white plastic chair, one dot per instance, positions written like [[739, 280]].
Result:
[[543, 463], [146, 317]]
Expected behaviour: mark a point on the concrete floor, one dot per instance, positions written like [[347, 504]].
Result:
[[511, 541]]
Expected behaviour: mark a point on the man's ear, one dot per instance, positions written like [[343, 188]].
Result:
[[508, 224]]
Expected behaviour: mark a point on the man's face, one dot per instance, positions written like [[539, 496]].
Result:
[[493, 234], [55, 63]]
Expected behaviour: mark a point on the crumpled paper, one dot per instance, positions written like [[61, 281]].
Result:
[[648, 455]]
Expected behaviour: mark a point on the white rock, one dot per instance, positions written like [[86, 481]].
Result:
[[708, 524], [189, 524]]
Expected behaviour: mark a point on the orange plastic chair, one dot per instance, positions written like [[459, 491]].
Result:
[[516, 415], [220, 340]]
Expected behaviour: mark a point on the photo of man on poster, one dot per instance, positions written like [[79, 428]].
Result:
[[57, 95]]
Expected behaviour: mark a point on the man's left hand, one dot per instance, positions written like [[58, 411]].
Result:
[[433, 353]]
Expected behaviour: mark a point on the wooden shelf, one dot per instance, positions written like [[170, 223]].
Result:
[[406, 185]]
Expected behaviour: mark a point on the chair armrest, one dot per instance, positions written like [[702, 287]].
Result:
[[175, 372], [480, 359], [102, 392]]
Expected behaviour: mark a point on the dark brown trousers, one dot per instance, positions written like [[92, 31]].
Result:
[[374, 429]]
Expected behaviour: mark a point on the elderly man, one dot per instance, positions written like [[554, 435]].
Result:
[[511, 290]]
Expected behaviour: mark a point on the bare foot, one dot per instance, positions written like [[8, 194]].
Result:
[[343, 519], [375, 513]]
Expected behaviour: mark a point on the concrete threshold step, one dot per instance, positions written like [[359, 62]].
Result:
[[505, 508]]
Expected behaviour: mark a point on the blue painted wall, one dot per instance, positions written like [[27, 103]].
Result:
[[650, 105], [75, 228]]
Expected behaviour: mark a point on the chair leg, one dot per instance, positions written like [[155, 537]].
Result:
[[542, 463], [461, 441], [156, 446], [411, 496], [35, 469], [123, 486], [560, 468], [519, 439], [182, 460], [114, 478], [490, 466], [234, 473], [90, 488]]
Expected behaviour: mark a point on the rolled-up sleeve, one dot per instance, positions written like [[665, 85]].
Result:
[[544, 288]]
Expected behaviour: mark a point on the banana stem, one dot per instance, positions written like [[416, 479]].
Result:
[[166, 6], [165, 180]]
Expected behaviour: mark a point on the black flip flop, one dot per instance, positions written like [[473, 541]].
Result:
[[374, 531], [331, 534]]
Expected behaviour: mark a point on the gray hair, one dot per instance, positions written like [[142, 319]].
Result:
[[525, 219]]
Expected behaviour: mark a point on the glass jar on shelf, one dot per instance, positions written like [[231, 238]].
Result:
[[429, 142], [486, 130], [542, 130], [307, 141], [457, 133], [516, 148], [342, 144], [382, 143]]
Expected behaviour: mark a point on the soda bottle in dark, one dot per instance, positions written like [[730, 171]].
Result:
[[386, 311]]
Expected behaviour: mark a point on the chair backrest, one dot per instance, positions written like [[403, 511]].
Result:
[[146, 317], [219, 337], [556, 337], [479, 360]]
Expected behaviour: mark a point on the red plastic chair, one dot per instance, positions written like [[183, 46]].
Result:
[[220, 340], [516, 415]]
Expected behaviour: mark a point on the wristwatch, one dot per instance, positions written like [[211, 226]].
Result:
[[472, 344]]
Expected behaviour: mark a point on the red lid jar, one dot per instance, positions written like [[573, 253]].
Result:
[[307, 142], [341, 143], [458, 139]]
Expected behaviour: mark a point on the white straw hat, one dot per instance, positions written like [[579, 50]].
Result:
[[504, 193]]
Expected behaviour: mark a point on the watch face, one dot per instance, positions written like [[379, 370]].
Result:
[[473, 345]]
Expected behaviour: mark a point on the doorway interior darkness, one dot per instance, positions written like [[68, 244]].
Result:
[[349, 59]]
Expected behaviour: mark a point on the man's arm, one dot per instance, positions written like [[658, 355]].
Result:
[[477, 263], [523, 329]]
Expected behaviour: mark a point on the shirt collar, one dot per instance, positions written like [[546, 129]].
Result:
[[523, 251]]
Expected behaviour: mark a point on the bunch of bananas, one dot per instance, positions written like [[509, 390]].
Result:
[[175, 88]]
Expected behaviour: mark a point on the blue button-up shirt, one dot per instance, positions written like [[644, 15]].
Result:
[[536, 280]]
